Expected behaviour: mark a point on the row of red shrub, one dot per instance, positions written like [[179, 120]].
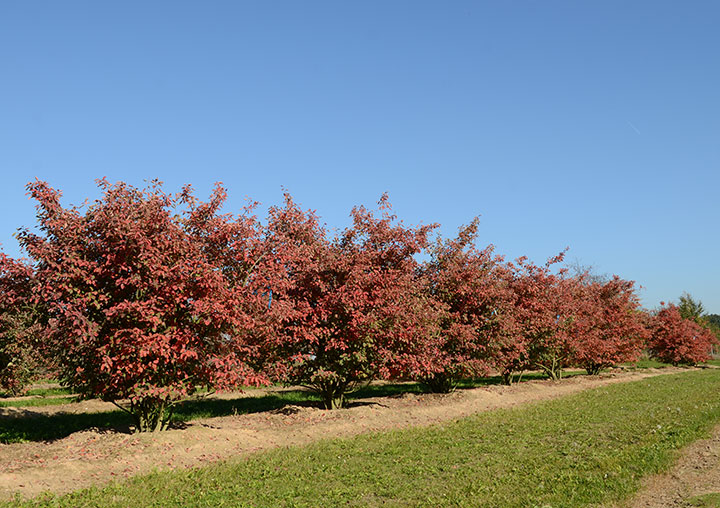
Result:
[[143, 296]]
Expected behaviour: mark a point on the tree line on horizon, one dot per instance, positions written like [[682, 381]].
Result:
[[143, 297]]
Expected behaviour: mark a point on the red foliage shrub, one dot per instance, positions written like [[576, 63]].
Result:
[[141, 304], [20, 357], [144, 296], [470, 299], [609, 327], [676, 340], [348, 298], [544, 312]]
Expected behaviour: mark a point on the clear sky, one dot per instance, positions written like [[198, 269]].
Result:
[[593, 125]]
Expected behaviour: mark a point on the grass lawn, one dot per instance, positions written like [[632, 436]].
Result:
[[38, 402], [42, 397], [580, 450], [647, 363], [44, 392], [706, 501]]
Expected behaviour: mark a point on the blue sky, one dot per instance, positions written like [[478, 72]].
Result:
[[593, 125]]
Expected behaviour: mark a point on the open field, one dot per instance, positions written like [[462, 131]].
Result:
[[556, 452]]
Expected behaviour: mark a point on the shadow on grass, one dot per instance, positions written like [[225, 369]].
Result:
[[527, 376], [28, 425], [394, 389], [385, 390], [207, 408]]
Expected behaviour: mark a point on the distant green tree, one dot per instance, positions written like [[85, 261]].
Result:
[[692, 309], [713, 322]]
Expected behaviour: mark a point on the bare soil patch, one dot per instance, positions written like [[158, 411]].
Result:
[[97, 457], [696, 472]]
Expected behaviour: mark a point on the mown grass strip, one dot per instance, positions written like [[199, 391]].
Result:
[[37, 402], [646, 363], [44, 392], [581, 450], [705, 501]]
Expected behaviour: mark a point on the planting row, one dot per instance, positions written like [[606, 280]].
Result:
[[142, 297]]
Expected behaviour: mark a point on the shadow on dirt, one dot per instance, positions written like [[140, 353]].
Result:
[[28, 425], [25, 424]]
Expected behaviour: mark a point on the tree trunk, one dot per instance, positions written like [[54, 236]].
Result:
[[554, 370], [333, 394], [593, 369], [333, 401], [151, 415], [441, 383]]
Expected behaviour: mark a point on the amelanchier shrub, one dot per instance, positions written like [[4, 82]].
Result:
[[143, 297], [138, 309], [609, 326], [544, 307], [677, 340], [20, 327], [470, 300], [349, 298]]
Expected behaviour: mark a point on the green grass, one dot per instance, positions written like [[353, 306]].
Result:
[[647, 363], [45, 395], [391, 389], [44, 392], [650, 363], [705, 501], [581, 450], [38, 402], [206, 408]]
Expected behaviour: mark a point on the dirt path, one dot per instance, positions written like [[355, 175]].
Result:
[[92, 458], [696, 472]]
